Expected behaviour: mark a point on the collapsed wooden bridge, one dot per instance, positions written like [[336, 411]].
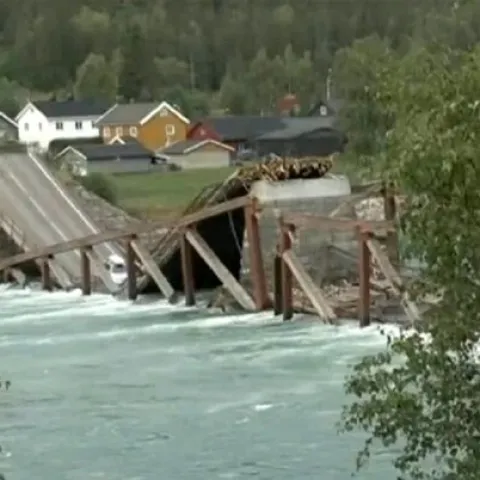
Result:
[[183, 234]]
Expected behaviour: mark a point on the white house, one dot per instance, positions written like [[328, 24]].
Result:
[[42, 122]]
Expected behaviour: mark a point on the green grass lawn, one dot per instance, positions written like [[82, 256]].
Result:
[[164, 192]]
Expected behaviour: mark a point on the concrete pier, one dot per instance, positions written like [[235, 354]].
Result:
[[326, 255]]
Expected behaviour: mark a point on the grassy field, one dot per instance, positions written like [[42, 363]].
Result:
[[160, 194], [164, 194]]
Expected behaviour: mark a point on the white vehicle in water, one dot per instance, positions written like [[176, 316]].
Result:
[[117, 268]]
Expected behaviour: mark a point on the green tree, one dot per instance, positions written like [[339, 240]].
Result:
[[357, 74], [44, 43], [233, 96], [169, 72], [192, 103], [266, 82], [135, 73], [10, 97], [422, 393], [96, 78], [93, 30], [100, 185], [300, 77]]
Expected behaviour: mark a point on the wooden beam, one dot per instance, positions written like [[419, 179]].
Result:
[[86, 271], [46, 275], [257, 270], [131, 271], [18, 236], [305, 220], [152, 269], [217, 267], [384, 264], [287, 280], [391, 275], [187, 271], [314, 294], [277, 284], [99, 238], [364, 265], [390, 212]]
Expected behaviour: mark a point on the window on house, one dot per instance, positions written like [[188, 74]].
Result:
[[170, 129], [119, 131], [59, 125], [133, 131], [106, 132], [78, 125], [163, 112], [93, 124], [26, 127]]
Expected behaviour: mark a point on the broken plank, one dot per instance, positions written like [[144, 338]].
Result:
[[385, 265], [308, 220], [217, 267], [167, 240], [152, 269], [392, 276], [314, 294]]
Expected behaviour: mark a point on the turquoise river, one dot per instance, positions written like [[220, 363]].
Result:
[[104, 389]]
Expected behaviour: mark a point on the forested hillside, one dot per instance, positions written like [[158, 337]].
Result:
[[241, 55]]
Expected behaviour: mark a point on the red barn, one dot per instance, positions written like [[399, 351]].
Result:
[[236, 131]]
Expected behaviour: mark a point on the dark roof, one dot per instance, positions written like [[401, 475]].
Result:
[[126, 139], [242, 127], [58, 145], [295, 127], [128, 113], [72, 108], [183, 146], [111, 152], [178, 148]]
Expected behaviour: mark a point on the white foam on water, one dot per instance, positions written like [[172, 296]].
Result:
[[307, 338], [252, 398], [96, 336], [82, 337], [249, 319], [30, 305], [5, 286]]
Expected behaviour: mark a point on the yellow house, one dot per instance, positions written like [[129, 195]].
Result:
[[154, 125]]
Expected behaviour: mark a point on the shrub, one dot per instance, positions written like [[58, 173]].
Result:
[[100, 185]]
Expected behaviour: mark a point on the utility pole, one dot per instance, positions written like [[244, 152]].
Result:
[[328, 85]]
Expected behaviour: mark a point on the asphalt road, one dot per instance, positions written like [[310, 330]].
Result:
[[44, 211]]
